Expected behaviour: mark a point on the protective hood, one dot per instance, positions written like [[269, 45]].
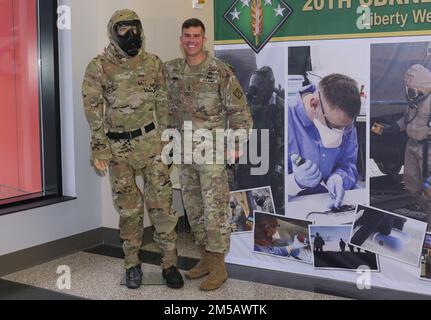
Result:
[[418, 77], [121, 16]]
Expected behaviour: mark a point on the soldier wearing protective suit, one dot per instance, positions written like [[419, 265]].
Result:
[[205, 93], [417, 124], [239, 219], [125, 101], [267, 107], [262, 199]]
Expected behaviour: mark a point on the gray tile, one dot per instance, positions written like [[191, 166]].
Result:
[[99, 277]]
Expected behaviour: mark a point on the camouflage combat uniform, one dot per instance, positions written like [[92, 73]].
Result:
[[124, 94], [209, 95]]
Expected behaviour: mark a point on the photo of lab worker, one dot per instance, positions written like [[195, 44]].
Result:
[[327, 107], [322, 139], [388, 234], [330, 250], [282, 237], [401, 129], [243, 203]]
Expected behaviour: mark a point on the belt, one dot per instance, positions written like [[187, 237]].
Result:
[[131, 134]]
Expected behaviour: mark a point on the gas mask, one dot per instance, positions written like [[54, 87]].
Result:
[[256, 100], [260, 201], [128, 36], [415, 97], [260, 90]]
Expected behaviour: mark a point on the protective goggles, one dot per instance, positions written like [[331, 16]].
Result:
[[122, 28]]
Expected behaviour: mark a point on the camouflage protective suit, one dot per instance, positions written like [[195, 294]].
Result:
[[417, 123], [209, 95], [124, 94]]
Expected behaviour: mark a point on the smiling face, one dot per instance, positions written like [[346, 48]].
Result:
[[193, 40]]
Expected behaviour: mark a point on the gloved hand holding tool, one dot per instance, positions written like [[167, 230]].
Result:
[[307, 175]]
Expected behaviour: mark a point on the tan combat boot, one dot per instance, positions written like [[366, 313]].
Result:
[[202, 268], [218, 274]]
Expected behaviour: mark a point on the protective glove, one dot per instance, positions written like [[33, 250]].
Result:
[[307, 175], [294, 248], [298, 244], [336, 190]]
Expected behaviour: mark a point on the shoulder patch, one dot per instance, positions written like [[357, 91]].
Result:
[[238, 93]]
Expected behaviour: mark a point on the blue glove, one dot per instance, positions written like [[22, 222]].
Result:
[[336, 190], [307, 175]]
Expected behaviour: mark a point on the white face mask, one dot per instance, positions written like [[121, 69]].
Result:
[[331, 138], [276, 236]]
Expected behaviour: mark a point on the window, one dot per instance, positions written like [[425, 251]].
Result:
[[30, 163]]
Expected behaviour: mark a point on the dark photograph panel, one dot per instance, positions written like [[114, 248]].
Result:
[[331, 250]]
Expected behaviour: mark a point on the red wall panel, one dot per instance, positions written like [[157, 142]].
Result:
[[27, 90], [20, 160], [8, 116]]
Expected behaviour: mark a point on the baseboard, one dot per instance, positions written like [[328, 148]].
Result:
[[46, 252], [33, 256]]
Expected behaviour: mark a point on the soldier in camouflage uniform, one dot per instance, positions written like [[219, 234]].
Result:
[[203, 90], [125, 101]]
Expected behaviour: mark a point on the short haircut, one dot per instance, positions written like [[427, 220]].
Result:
[[193, 22], [342, 92]]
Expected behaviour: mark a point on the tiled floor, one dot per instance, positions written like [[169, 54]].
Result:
[[98, 277]]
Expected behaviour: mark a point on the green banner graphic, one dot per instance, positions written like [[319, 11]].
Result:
[[258, 21]]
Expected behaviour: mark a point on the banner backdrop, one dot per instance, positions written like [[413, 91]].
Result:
[[281, 52]]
